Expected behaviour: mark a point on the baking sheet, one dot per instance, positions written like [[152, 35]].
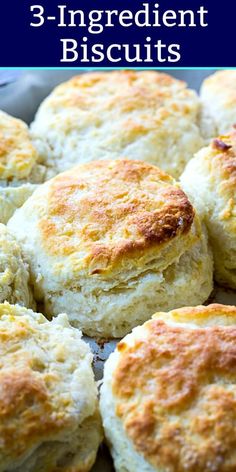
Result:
[[20, 95]]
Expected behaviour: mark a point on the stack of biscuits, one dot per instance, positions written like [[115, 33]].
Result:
[[117, 220]]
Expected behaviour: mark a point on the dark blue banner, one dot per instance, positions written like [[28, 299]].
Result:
[[73, 33]]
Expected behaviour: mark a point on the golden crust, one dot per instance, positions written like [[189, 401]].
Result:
[[25, 405], [222, 85], [111, 211], [175, 391], [210, 181], [20, 390], [220, 164], [39, 397], [81, 90], [17, 153], [218, 94], [138, 115], [223, 171]]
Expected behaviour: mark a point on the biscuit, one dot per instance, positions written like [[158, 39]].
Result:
[[145, 115], [168, 399], [20, 169], [209, 180], [218, 94], [14, 272], [114, 241], [49, 417]]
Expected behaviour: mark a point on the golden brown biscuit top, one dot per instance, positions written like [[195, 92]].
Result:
[[36, 399], [176, 392], [131, 114], [107, 212], [220, 162], [25, 408], [222, 85], [223, 165], [17, 153], [127, 91]]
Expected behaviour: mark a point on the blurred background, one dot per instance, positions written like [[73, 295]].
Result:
[[21, 91]]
